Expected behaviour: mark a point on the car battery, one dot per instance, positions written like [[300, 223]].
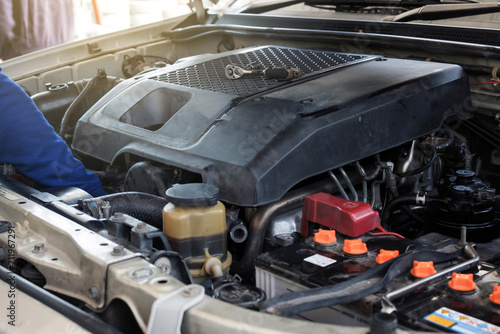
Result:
[[434, 307], [308, 264], [464, 303]]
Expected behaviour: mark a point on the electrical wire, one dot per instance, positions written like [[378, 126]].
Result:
[[484, 83], [389, 234], [384, 232]]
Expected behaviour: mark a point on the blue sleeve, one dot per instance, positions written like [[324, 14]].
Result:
[[30, 143]]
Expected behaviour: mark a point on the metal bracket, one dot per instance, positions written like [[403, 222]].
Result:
[[199, 9], [168, 311], [421, 198], [93, 48]]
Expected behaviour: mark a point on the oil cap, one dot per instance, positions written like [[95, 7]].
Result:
[[423, 269], [386, 255], [462, 282], [193, 194]]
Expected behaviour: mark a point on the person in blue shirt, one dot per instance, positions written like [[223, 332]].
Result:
[[30, 143]]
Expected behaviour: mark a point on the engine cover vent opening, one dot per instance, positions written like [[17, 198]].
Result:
[[156, 108]]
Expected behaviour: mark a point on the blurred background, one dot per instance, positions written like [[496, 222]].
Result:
[[95, 17], [31, 25]]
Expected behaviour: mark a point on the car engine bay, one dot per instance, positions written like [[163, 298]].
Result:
[[333, 182]]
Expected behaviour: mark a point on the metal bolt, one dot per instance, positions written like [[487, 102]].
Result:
[[141, 227], [118, 216], [283, 240], [39, 248], [160, 64], [94, 293], [164, 264], [118, 250], [189, 291]]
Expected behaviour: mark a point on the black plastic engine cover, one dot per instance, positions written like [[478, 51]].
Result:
[[256, 138]]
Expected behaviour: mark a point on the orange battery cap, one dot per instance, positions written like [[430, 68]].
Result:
[[495, 296], [423, 269], [386, 255], [462, 282], [355, 247], [325, 237]]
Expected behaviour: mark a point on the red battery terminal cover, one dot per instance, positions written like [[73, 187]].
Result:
[[346, 217], [386, 255]]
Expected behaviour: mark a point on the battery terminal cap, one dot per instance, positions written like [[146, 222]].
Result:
[[386, 255], [325, 237], [355, 247], [495, 296], [423, 269], [462, 282]]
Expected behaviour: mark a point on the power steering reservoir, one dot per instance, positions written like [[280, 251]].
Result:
[[194, 222]]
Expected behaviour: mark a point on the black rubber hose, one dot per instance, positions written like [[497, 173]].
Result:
[[142, 206], [72, 107], [374, 174], [451, 138], [403, 200], [354, 289], [422, 168], [73, 313], [477, 163], [463, 142], [94, 89]]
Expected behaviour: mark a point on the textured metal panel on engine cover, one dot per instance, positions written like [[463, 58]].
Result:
[[209, 75], [257, 142]]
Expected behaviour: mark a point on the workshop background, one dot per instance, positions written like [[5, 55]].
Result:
[[96, 17]]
